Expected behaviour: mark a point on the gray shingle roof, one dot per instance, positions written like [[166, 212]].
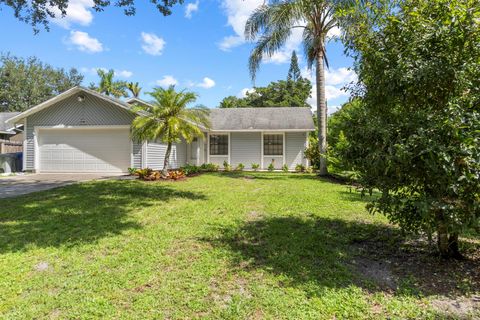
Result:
[[261, 119], [4, 116]]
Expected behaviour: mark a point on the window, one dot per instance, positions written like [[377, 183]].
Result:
[[219, 145], [193, 149], [273, 145]]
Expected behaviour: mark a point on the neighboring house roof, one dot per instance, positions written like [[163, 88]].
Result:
[[64, 95], [6, 128], [133, 101], [262, 119]]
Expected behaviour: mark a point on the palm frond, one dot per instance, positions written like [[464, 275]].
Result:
[[167, 118]]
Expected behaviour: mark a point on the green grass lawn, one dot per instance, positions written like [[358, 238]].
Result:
[[256, 245]]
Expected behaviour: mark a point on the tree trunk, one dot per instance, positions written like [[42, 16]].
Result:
[[166, 162], [447, 243], [321, 113]]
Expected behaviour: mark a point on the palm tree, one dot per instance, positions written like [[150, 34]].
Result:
[[272, 24], [108, 86], [168, 119], [134, 89]]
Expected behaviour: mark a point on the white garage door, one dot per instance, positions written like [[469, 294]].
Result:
[[84, 150]]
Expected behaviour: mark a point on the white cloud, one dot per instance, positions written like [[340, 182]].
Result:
[[335, 81], [152, 44], [77, 12], [84, 42], [334, 33], [230, 42], [118, 73], [237, 12], [191, 8], [207, 83], [244, 91], [167, 81], [285, 53], [341, 76], [331, 93], [123, 73]]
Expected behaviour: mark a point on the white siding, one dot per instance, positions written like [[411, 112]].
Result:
[[295, 143], [245, 148], [277, 161], [156, 155], [218, 160]]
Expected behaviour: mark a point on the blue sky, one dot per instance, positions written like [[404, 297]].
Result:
[[199, 47]]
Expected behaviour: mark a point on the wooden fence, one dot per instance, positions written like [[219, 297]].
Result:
[[7, 146]]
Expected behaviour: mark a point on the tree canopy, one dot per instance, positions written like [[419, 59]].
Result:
[[294, 70], [25, 83], [416, 136], [292, 92], [38, 13], [282, 93], [168, 118]]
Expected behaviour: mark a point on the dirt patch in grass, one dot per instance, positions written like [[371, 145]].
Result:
[[254, 215], [415, 263], [463, 308], [376, 271], [412, 266]]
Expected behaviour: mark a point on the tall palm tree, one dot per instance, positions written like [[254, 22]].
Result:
[[110, 87], [272, 24], [134, 89], [168, 119]]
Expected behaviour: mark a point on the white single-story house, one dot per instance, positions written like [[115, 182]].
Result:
[[81, 130]]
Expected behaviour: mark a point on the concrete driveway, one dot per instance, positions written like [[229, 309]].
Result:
[[12, 186]]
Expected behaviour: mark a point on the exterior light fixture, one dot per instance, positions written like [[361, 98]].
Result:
[[81, 98]]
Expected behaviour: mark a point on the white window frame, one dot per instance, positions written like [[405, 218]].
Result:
[[283, 155], [283, 144], [219, 155]]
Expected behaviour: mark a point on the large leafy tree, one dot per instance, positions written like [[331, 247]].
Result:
[[168, 119], [39, 12], [416, 137], [110, 87], [25, 83], [281, 93], [272, 24]]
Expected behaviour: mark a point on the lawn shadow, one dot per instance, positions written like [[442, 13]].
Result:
[[334, 253], [352, 195], [78, 214]]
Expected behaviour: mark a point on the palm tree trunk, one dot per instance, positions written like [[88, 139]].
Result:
[[321, 113], [167, 159]]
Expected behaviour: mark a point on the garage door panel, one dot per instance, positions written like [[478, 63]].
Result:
[[84, 150]]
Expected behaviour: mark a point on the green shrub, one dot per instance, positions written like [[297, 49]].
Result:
[[132, 171], [271, 167], [309, 169], [255, 166], [300, 168], [209, 167], [285, 168], [240, 167], [143, 173], [189, 169], [227, 166]]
